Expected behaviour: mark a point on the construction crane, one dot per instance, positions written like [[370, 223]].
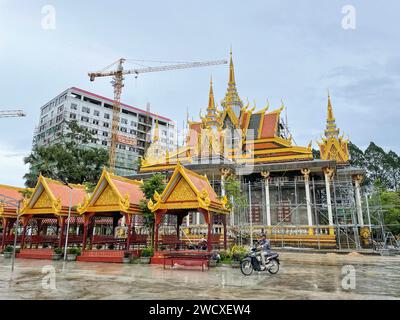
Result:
[[118, 83], [11, 113]]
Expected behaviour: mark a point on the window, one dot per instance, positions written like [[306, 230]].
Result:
[[96, 122], [61, 108], [95, 131], [86, 109], [74, 106], [106, 116], [96, 113], [164, 132], [104, 142], [59, 118], [123, 129], [93, 140], [106, 125], [124, 121], [105, 134], [132, 131], [84, 119]]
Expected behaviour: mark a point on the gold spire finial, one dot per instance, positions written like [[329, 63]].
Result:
[[330, 110], [332, 146], [156, 135], [211, 101], [231, 69], [232, 98]]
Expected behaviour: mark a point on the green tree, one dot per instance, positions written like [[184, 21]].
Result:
[[236, 198], [68, 160], [392, 165], [149, 187]]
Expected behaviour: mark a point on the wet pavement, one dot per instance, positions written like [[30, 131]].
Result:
[[302, 276]]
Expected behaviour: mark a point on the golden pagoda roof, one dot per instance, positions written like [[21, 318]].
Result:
[[7, 210], [188, 190], [114, 194], [260, 134], [52, 197], [231, 95], [333, 146]]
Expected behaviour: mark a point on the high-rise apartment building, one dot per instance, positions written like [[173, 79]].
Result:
[[94, 112]]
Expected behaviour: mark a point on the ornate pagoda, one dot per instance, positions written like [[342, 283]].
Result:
[[292, 196], [234, 133]]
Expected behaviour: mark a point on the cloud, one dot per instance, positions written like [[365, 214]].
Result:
[[12, 167]]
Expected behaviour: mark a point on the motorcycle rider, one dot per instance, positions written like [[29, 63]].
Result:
[[264, 246]]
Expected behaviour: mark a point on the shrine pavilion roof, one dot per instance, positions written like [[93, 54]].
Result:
[[114, 194], [9, 194], [188, 190], [53, 197]]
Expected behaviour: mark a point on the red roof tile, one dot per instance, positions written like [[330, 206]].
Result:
[[269, 125], [62, 191]]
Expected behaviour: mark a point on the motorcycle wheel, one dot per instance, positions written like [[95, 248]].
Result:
[[246, 267], [273, 267]]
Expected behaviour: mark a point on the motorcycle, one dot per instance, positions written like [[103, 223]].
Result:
[[253, 261]]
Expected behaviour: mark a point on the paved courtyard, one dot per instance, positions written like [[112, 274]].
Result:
[[302, 276]]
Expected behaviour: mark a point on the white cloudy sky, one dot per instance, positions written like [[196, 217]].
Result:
[[290, 50]]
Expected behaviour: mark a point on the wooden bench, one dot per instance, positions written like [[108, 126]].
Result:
[[187, 259]]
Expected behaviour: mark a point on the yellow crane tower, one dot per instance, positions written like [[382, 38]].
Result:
[[118, 83]]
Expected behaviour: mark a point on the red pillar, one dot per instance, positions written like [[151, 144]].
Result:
[[85, 229], [209, 238], [5, 226], [25, 223], [61, 239], [128, 220], [224, 224]]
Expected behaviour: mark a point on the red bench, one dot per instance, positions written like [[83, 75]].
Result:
[[187, 259]]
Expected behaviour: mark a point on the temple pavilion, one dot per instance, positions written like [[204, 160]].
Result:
[[295, 197]]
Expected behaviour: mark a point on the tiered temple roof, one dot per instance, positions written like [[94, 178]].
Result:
[[236, 133]]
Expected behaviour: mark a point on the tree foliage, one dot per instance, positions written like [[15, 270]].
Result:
[[234, 193], [382, 167], [69, 160], [149, 187]]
